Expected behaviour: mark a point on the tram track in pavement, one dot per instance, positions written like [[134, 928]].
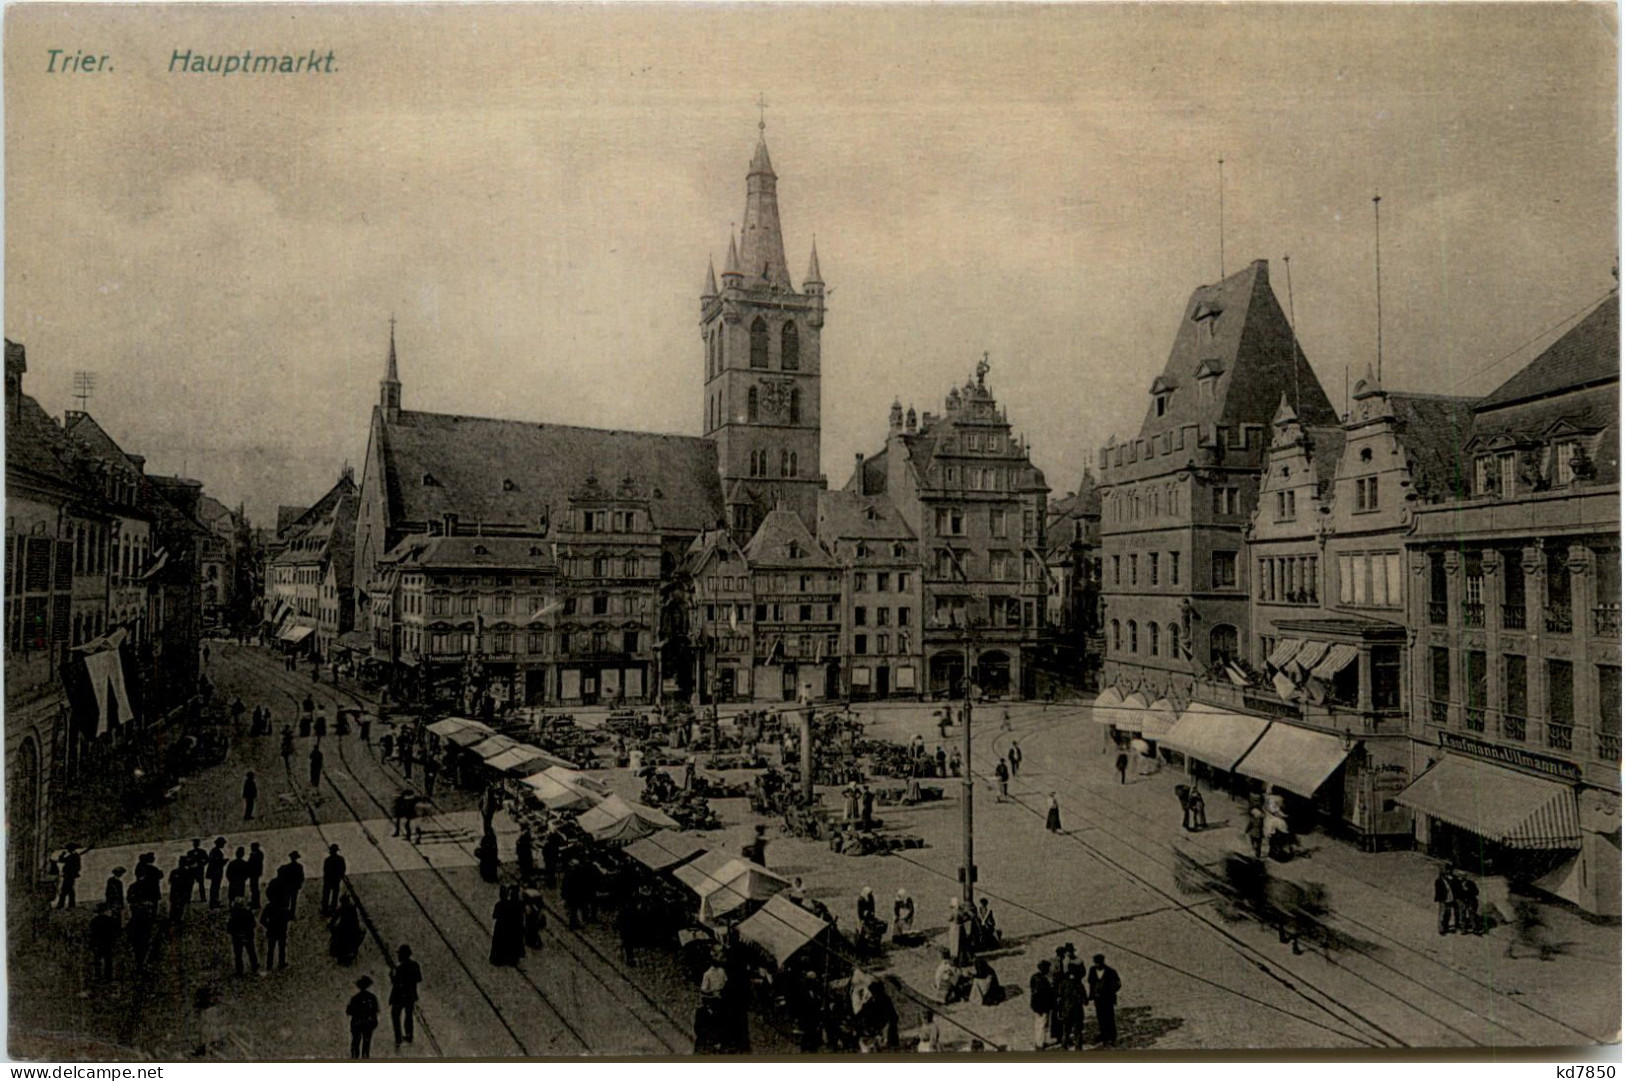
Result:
[[1125, 823], [674, 1041]]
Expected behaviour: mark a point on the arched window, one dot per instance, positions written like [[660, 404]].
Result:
[[758, 343], [1117, 636], [794, 472], [1154, 633], [784, 463], [1222, 644], [795, 405], [750, 406], [1133, 636], [790, 347], [1173, 640]]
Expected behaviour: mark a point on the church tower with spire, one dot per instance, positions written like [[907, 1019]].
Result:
[[760, 338], [389, 387]]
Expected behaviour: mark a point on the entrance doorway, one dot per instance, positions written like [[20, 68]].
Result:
[[790, 686], [882, 681]]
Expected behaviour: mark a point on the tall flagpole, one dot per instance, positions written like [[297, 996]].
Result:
[[1221, 219], [1376, 210]]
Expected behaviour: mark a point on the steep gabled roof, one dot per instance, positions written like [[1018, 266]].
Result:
[[455, 552], [848, 515], [1235, 333], [1587, 354], [286, 516], [1434, 429], [772, 544], [517, 474]]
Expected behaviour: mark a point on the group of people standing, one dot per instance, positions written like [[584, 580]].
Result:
[[1058, 994]]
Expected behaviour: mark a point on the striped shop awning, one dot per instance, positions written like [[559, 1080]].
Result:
[[1107, 707], [1284, 651], [1337, 658], [1498, 804]]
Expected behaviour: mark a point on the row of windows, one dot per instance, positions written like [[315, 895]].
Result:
[[1289, 579], [1158, 643], [1497, 474], [978, 479], [1153, 569], [760, 337], [522, 606], [610, 521], [789, 465], [951, 522], [882, 644], [1557, 732], [1137, 503], [1001, 612], [1370, 578], [883, 616], [447, 643], [804, 613], [882, 579], [1002, 566]]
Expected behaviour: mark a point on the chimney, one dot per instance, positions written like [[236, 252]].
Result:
[[448, 524]]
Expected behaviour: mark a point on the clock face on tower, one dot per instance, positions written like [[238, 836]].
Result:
[[776, 397]]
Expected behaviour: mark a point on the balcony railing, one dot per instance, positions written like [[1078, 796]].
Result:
[[1513, 617], [1475, 718], [1559, 619], [1439, 712], [1608, 746], [1605, 621], [1472, 614], [1514, 727], [1438, 613], [1560, 737]]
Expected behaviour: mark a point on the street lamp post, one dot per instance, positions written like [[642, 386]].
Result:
[[967, 873]]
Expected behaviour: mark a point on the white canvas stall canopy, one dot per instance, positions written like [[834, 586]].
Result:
[[1107, 707], [1216, 736], [1500, 805], [725, 888], [577, 779], [781, 929], [615, 821], [521, 758], [295, 634], [449, 726], [556, 795], [1296, 759], [663, 851], [1159, 719], [491, 746]]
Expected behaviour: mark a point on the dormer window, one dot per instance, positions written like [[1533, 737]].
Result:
[[509, 486], [862, 550], [429, 481], [794, 550], [1365, 454], [481, 550], [1162, 405]]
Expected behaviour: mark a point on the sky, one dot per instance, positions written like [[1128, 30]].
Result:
[[533, 194]]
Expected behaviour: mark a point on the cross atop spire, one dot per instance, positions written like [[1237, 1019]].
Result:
[[389, 388], [761, 104]]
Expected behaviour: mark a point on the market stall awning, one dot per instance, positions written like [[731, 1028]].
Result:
[[781, 928], [558, 796], [1498, 804], [729, 886], [522, 758], [1296, 759], [1284, 651], [468, 737], [445, 727], [295, 634], [1217, 736], [1107, 707], [663, 851], [577, 779], [615, 821], [356, 641], [1158, 720], [491, 746], [1337, 658]]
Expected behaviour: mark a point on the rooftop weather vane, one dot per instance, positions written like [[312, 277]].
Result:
[[84, 385], [761, 105], [982, 367]]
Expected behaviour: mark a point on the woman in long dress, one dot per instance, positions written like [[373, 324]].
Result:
[[1052, 819], [344, 932], [507, 930]]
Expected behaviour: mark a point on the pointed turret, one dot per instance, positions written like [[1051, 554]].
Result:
[[1284, 413], [762, 249], [710, 280], [813, 276], [389, 388], [1368, 386], [730, 270]]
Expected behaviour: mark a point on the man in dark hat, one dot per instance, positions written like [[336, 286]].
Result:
[[114, 894], [1104, 984], [103, 935], [363, 1013], [214, 870], [403, 994], [197, 860], [240, 926], [237, 877], [256, 871], [291, 877], [274, 919], [333, 869], [71, 866], [251, 795], [316, 764], [180, 890]]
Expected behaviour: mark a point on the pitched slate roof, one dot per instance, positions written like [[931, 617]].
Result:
[[515, 474], [287, 516], [770, 547], [850, 515], [504, 553], [1434, 428], [1236, 327], [1588, 353]]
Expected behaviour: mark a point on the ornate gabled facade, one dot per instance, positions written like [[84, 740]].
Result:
[[796, 591], [1177, 497], [761, 341], [968, 489], [882, 644]]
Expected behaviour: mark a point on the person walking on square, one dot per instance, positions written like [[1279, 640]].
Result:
[[1041, 1000], [1002, 773], [1467, 921], [1052, 818], [256, 871], [287, 748], [291, 877], [197, 862], [180, 890], [274, 918], [333, 868], [215, 870], [1014, 754], [70, 865], [1444, 895], [403, 993], [1122, 767], [237, 877], [251, 795], [316, 765], [1195, 810], [103, 935], [240, 926], [1104, 985], [1255, 831], [113, 895], [363, 1014]]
